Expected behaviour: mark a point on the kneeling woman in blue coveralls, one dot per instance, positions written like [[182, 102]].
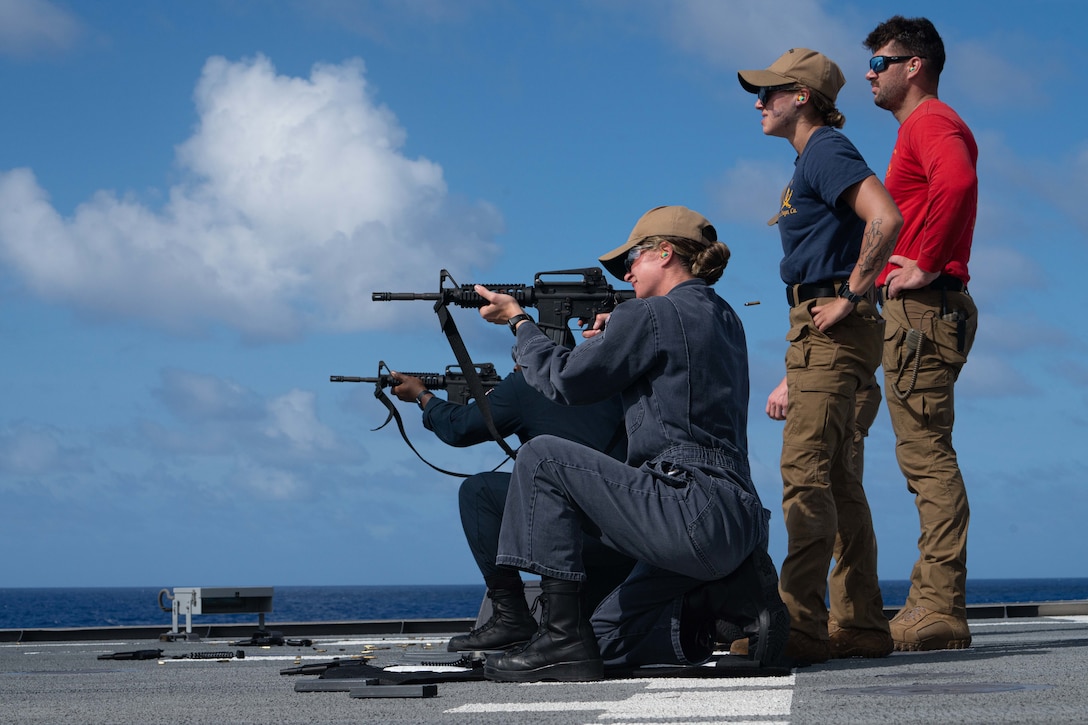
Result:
[[683, 505]]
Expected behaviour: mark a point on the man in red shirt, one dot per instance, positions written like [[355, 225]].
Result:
[[930, 319]]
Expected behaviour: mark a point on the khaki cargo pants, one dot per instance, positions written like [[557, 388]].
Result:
[[823, 500], [845, 585], [920, 372]]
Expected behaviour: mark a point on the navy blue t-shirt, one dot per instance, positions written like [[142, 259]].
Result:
[[821, 234]]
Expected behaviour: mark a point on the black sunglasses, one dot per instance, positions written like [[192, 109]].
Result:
[[633, 254], [880, 63], [766, 92]]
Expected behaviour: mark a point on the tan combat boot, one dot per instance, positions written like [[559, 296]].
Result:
[[920, 629], [849, 642]]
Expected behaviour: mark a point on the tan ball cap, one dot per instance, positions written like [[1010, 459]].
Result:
[[801, 66], [670, 221]]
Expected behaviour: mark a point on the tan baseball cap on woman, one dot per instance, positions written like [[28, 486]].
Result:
[[669, 221], [801, 66]]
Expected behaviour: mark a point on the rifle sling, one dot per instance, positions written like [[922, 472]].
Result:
[[460, 352], [395, 415]]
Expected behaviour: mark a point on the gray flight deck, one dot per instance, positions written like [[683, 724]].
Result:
[[1028, 664]]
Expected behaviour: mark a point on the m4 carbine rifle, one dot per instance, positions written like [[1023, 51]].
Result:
[[559, 297], [453, 381]]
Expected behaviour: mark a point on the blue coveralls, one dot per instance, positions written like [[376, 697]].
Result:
[[519, 409], [683, 504]]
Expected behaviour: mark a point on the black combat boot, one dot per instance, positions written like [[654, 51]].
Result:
[[511, 623], [748, 598], [753, 593], [564, 647]]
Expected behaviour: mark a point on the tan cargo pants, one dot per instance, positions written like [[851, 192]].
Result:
[[846, 584], [919, 381], [822, 497]]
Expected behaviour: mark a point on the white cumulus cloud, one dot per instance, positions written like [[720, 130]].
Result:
[[297, 202]]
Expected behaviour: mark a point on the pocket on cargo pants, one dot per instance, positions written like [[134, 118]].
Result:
[[953, 333]]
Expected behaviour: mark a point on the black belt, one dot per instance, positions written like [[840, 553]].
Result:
[[948, 283], [798, 293], [944, 283]]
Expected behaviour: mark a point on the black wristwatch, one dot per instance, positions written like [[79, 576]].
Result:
[[844, 291], [513, 321]]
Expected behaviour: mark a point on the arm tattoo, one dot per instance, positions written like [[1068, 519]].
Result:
[[875, 249]]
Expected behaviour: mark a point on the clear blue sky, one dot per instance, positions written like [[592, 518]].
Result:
[[197, 199]]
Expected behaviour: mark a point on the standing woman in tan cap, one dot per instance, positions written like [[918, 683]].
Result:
[[682, 505], [838, 226]]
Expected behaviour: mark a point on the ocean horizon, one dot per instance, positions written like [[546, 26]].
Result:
[[66, 607]]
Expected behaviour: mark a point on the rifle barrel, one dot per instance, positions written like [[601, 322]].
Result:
[[403, 296], [464, 296], [436, 381]]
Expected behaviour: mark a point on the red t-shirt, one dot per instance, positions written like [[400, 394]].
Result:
[[931, 177]]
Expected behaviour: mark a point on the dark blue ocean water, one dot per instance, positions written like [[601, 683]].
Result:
[[117, 606], [107, 607]]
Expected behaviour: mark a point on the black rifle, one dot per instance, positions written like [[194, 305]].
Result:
[[576, 294], [453, 381], [559, 297]]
